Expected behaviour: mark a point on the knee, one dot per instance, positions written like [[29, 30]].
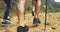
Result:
[[36, 2], [20, 8], [39, 2], [8, 7]]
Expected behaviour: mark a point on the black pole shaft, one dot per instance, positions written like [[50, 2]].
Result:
[[45, 14]]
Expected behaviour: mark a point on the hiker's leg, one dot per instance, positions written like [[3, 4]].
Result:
[[33, 10], [20, 11], [37, 5], [8, 7], [6, 20]]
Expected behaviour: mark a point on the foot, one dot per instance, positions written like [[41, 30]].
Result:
[[6, 23], [22, 29], [36, 21]]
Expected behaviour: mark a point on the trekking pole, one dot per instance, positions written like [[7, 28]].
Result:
[[33, 11], [45, 14]]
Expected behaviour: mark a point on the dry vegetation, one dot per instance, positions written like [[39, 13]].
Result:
[[53, 23]]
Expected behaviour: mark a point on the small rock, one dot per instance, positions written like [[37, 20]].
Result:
[[53, 28]]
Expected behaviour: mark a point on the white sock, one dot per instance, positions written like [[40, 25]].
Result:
[[22, 24]]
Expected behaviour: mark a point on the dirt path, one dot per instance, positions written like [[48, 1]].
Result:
[[53, 23]]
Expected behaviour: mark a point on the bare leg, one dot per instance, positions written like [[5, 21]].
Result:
[[37, 5], [20, 11]]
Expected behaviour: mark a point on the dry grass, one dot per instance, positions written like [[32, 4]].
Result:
[[53, 23]]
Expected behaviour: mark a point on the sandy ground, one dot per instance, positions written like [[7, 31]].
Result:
[[53, 23]]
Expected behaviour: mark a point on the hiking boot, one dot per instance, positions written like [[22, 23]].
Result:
[[22, 29], [6, 23], [36, 21]]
